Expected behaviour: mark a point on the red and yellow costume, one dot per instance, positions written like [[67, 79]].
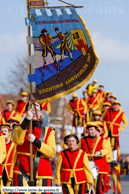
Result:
[[20, 107], [46, 106], [78, 107], [93, 102], [2, 120], [6, 115], [64, 44], [91, 145], [46, 41], [113, 120], [101, 96], [76, 167], [46, 150], [6, 166], [2, 156]]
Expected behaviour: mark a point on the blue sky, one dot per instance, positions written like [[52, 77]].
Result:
[[108, 24]]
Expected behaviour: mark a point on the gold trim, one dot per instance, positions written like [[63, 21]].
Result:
[[47, 177], [85, 80], [18, 172], [72, 169]]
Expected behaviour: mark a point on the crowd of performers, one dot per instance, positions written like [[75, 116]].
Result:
[[84, 162]]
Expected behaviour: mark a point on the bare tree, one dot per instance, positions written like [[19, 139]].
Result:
[[17, 77]]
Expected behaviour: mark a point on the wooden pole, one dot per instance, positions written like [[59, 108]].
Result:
[[30, 91], [57, 7]]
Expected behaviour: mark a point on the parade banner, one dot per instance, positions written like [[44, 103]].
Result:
[[64, 54]]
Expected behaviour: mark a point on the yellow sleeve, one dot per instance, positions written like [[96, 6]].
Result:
[[104, 114], [2, 149], [125, 122], [49, 149], [14, 159], [3, 120], [48, 108], [98, 104], [41, 40], [50, 37], [109, 157], [57, 179], [87, 170], [79, 145], [105, 130], [69, 108], [105, 148], [18, 135], [63, 36], [84, 106], [15, 106]]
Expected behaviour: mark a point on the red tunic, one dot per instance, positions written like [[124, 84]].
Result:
[[7, 161], [113, 120], [99, 161], [23, 152], [66, 170], [20, 107], [77, 106], [46, 39], [92, 102], [7, 115], [102, 95]]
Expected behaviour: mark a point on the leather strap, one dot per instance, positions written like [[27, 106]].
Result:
[[67, 159], [87, 144], [23, 172]]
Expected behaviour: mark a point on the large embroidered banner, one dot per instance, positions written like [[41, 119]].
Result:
[[64, 54]]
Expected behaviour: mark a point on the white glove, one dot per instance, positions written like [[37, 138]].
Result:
[[31, 137], [29, 114]]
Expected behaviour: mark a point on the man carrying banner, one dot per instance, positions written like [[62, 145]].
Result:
[[77, 107], [64, 44], [46, 41], [113, 118], [43, 140]]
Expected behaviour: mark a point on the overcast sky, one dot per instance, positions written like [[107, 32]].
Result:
[[108, 23]]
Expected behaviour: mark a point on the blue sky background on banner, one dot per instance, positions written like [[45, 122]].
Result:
[[55, 17], [108, 24], [63, 28]]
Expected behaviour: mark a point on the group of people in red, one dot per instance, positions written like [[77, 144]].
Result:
[[84, 164], [99, 118]]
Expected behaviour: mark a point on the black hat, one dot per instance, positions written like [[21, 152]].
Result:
[[71, 135]]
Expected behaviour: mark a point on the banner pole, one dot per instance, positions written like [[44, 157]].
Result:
[[30, 91]]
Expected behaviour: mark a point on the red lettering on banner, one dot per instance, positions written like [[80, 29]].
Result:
[[36, 3], [55, 22]]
